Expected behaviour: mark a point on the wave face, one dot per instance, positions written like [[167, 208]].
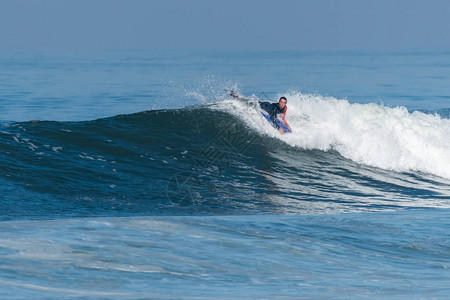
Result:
[[223, 158]]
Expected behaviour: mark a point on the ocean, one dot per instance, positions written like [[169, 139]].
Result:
[[135, 175]]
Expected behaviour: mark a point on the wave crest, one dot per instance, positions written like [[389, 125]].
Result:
[[371, 134]]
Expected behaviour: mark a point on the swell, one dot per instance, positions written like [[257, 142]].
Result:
[[121, 164], [195, 160]]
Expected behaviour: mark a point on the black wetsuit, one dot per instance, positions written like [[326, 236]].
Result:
[[272, 109]]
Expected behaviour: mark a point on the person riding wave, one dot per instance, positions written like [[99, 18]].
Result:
[[274, 110]]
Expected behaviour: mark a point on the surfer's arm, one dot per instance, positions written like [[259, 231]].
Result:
[[284, 120]]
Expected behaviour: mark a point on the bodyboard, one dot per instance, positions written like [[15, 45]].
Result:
[[278, 122]]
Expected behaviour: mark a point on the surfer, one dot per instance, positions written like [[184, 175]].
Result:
[[273, 110]]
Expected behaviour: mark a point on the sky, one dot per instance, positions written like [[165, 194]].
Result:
[[227, 25]]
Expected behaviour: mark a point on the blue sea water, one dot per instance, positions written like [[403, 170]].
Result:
[[135, 175]]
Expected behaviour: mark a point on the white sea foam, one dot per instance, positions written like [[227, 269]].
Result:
[[371, 134]]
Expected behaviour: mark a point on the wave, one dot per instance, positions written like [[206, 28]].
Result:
[[370, 134], [223, 158]]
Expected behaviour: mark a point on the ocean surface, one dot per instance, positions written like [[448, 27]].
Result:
[[134, 175]]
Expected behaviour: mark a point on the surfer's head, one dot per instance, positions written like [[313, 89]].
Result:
[[282, 102]]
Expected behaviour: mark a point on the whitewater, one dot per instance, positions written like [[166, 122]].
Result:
[[389, 138]]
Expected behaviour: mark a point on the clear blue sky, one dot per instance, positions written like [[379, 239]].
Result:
[[231, 24]]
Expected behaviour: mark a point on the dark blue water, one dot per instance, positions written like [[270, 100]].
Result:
[[130, 175]]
